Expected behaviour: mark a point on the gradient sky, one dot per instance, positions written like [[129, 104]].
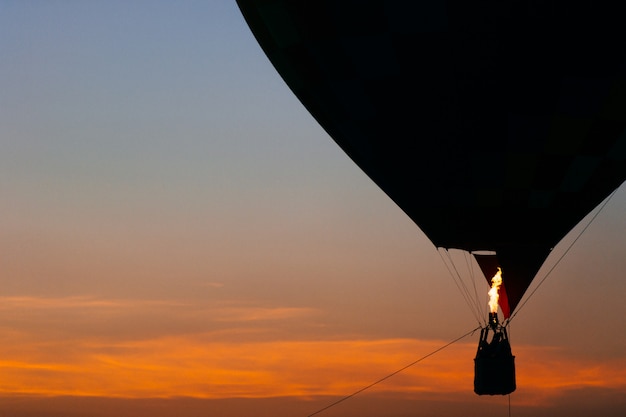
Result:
[[178, 237]]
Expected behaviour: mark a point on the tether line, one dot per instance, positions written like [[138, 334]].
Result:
[[394, 373], [509, 405]]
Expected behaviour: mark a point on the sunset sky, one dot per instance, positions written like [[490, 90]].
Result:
[[179, 237]]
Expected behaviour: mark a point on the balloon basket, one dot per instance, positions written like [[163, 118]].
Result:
[[494, 365]]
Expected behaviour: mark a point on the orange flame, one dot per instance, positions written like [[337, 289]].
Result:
[[496, 281]]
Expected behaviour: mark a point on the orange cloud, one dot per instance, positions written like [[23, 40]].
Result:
[[76, 302], [548, 373], [198, 366], [69, 358]]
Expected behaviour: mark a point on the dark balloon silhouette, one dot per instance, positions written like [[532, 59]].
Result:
[[495, 125]]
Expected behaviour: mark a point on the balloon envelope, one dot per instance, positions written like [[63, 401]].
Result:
[[495, 125]]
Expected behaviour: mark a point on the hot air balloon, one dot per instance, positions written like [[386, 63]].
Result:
[[494, 125]]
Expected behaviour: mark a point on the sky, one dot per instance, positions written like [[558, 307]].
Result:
[[179, 237]]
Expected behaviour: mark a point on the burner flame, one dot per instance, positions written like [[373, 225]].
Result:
[[496, 282]]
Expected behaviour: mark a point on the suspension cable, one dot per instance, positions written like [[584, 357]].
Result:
[[456, 277], [584, 229], [480, 307], [395, 373], [460, 284]]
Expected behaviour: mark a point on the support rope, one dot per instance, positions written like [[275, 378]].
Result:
[[517, 310], [460, 284], [509, 405], [480, 307], [395, 373]]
